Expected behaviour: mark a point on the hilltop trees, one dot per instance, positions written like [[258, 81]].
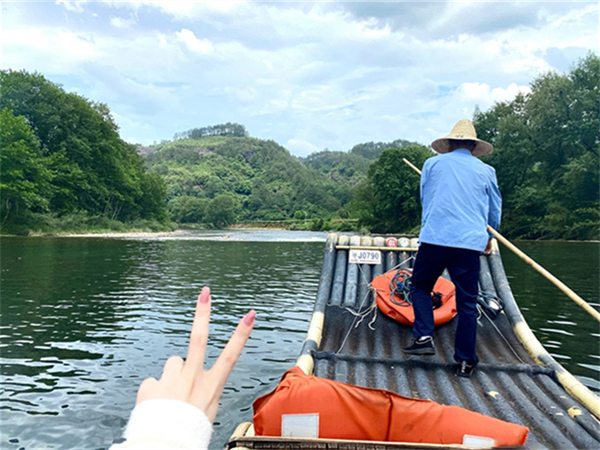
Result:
[[72, 154], [227, 129], [372, 150]]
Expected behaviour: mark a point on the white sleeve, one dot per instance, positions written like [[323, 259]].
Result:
[[166, 424]]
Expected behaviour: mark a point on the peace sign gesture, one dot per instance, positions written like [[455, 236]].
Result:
[[188, 381]]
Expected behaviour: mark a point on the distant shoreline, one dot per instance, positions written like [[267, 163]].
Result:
[[182, 232], [186, 233], [176, 233]]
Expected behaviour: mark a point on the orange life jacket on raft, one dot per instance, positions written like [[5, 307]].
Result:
[[401, 311], [351, 412]]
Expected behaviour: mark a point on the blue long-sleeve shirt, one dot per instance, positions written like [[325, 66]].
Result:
[[460, 197]]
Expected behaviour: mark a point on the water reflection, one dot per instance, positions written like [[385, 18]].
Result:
[[85, 320]]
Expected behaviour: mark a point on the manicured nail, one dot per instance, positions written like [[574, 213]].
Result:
[[205, 295], [249, 318]]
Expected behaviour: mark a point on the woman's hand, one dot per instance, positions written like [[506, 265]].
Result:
[[188, 381]]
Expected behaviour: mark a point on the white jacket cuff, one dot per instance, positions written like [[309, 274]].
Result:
[[166, 424]]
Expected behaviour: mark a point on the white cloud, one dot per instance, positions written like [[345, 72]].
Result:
[[268, 64], [119, 22], [481, 92], [193, 43], [47, 48], [139, 131], [574, 16], [308, 75]]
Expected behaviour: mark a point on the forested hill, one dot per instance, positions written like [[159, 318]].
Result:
[[219, 179], [351, 167]]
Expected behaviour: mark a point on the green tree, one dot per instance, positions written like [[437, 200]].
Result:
[[93, 169], [547, 155], [389, 200], [187, 209], [220, 212], [24, 177]]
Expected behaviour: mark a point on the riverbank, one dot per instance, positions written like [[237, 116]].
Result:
[[99, 227], [79, 223], [184, 233]]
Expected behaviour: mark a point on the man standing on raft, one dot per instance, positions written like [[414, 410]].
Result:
[[460, 197]]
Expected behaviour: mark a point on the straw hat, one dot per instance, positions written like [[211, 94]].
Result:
[[463, 131]]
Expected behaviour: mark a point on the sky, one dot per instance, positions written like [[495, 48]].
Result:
[[308, 75]]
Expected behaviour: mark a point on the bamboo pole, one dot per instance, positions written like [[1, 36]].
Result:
[[559, 284]]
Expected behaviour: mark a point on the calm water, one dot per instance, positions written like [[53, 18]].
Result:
[[569, 333], [85, 320]]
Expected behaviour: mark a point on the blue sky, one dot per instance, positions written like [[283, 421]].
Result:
[[308, 75]]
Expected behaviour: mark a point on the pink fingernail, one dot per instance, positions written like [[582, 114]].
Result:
[[205, 295], [249, 318]]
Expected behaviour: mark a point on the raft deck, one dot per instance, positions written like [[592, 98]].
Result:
[[363, 347]]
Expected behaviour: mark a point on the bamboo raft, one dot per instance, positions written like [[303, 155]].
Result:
[[517, 380]]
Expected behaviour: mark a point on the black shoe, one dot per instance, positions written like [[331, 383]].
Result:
[[420, 346], [465, 369]]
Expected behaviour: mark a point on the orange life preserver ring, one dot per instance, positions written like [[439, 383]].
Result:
[[351, 412], [392, 306]]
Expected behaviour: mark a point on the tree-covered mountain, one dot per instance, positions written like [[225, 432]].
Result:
[[62, 154], [340, 167], [351, 167], [253, 178]]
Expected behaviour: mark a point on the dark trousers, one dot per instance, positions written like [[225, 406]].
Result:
[[463, 266]]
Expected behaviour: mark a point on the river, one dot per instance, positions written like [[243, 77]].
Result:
[[85, 320]]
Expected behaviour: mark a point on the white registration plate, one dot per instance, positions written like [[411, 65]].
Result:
[[365, 256]]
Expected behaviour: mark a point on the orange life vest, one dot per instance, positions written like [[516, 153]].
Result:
[[351, 412], [399, 310]]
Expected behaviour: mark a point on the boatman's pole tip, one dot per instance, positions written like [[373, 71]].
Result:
[[411, 165]]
